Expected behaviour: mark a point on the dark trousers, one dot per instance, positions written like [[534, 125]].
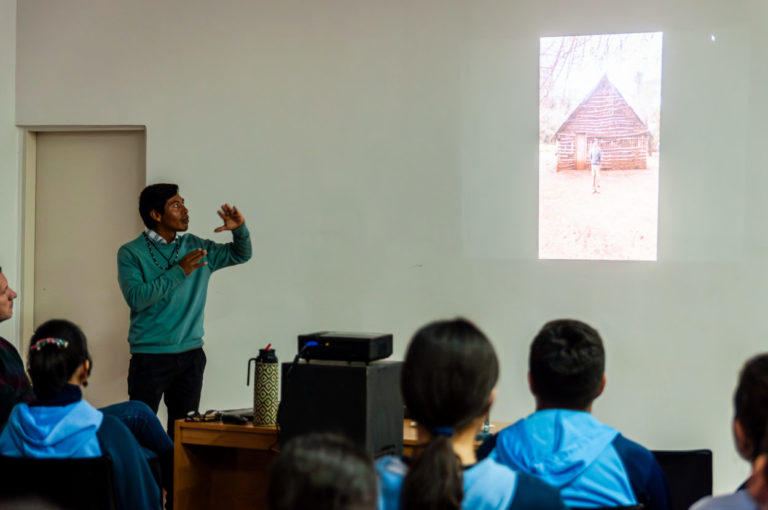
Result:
[[177, 378]]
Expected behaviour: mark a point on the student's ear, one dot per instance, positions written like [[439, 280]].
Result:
[[743, 446], [492, 398], [531, 387], [83, 372], [602, 387], [80, 377]]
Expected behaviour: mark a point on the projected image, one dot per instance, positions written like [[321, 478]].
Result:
[[599, 116]]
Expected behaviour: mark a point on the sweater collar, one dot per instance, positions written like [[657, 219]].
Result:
[[69, 395], [158, 239]]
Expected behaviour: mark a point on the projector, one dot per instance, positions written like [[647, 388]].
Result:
[[343, 346]]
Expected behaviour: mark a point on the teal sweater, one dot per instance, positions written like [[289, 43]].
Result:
[[167, 305]]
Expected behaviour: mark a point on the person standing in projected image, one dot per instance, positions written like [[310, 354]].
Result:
[[164, 276], [596, 160]]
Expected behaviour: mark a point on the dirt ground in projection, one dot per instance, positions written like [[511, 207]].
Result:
[[619, 223]]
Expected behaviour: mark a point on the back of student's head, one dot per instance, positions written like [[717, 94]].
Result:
[[449, 372], [750, 403], [56, 350], [566, 363], [322, 472]]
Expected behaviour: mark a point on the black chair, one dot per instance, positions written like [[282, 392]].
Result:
[[689, 474], [73, 484], [632, 507]]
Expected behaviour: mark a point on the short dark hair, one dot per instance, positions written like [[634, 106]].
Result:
[[449, 372], [153, 198], [567, 363], [322, 472], [750, 402], [51, 365]]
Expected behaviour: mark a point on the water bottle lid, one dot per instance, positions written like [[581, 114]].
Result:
[[267, 356]]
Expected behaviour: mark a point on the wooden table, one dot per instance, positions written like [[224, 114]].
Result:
[[226, 466], [222, 466]]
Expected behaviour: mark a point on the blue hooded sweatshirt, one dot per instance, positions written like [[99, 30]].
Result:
[[487, 486], [569, 450], [68, 427], [52, 431]]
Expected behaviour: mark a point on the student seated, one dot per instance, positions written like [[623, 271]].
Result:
[[562, 444], [14, 386], [322, 472], [750, 403], [448, 383], [60, 424]]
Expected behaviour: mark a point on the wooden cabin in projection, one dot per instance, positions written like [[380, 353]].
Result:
[[606, 116]]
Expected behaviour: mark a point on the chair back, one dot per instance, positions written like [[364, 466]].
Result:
[[689, 474], [630, 507], [76, 484]]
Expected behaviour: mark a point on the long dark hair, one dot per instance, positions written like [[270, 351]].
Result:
[[56, 349], [449, 372]]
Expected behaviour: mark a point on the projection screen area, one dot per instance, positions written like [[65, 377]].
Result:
[[599, 118]]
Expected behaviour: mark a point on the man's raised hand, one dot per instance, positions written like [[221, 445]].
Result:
[[193, 260], [231, 216]]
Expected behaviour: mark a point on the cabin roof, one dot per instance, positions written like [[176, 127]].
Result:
[[640, 127]]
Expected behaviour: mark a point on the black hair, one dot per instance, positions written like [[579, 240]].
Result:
[[449, 372], [51, 364], [750, 403], [322, 472], [567, 363], [153, 198]]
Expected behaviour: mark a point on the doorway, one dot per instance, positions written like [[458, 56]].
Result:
[[81, 204], [581, 151]]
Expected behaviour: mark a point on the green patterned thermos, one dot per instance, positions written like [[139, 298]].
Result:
[[265, 395]]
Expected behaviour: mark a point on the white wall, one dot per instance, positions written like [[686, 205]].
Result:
[[10, 184], [385, 156]]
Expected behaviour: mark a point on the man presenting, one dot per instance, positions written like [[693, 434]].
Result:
[[164, 279]]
